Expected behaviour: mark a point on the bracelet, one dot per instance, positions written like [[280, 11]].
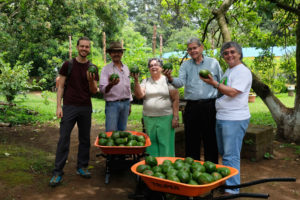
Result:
[[176, 118], [217, 86]]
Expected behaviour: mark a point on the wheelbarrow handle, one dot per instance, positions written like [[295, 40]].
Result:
[[259, 182], [251, 195]]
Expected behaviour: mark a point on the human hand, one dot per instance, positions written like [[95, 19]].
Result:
[[175, 122], [114, 81], [167, 73], [59, 112], [210, 80], [90, 76], [135, 76]]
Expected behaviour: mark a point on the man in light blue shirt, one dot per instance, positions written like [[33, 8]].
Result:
[[200, 112]]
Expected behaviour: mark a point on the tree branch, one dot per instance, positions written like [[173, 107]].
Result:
[[206, 27], [286, 7]]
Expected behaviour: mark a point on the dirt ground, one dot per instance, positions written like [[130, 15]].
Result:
[[122, 182]]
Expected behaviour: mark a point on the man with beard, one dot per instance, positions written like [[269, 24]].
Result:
[[116, 91], [200, 112], [76, 85]]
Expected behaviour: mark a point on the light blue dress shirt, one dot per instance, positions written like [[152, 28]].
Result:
[[194, 87]]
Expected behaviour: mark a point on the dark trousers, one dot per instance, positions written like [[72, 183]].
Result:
[[200, 126], [71, 115]]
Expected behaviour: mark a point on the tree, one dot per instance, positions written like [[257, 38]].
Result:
[[38, 30], [287, 119], [260, 23]]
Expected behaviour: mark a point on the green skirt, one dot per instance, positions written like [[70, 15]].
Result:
[[161, 134]]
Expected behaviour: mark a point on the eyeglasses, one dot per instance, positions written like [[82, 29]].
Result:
[[225, 53], [155, 64], [193, 48]]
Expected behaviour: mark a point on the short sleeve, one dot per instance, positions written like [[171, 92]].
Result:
[[241, 79]]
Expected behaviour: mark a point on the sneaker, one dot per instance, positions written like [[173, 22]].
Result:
[[84, 172], [55, 180]]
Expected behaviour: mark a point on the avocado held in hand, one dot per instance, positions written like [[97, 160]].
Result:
[[113, 76], [92, 69], [134, 70], [167, 66], [204, 73]]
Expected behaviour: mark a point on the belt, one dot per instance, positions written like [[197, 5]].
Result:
[[121, 100], [200, 101]]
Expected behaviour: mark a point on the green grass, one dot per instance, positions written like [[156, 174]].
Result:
[[20, 165], [260, 113], [46, 109]]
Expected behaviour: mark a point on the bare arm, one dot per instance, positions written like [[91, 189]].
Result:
[[59, 95], [224, 89], [92, 82], [174, 94], [139, 92], [111, 84]]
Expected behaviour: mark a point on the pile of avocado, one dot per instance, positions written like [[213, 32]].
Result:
[[183, 171], [121, 138]]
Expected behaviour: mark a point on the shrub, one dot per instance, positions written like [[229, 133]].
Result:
[[14, 80]]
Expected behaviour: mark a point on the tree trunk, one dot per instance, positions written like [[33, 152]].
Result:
[[287, 119]]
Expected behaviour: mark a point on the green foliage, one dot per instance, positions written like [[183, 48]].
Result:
[[266, 68], [288, 67], [17, 115], [14, 80], [37, 31]]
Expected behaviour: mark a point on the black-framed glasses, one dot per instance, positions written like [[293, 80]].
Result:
[[225, 53]]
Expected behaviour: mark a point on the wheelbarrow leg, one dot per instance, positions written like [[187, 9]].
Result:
[[107, 169]]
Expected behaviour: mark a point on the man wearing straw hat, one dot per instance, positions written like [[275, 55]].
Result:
[[116, 91]]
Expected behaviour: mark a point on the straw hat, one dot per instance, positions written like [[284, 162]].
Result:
[[115, 46]]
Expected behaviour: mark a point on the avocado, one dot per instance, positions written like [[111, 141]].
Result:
[[148, 172], [119, 141], [159, 175], [189, 160], [92, 69], [102, 141], [224, 171], [196, 175], [172, 172], [192, 182], [216, 176], [204, 73], [157, 168], [183, 176], [197, 167], [151, 160], [173, 178], [110, 142], [113, 76], [167, 162], [205, 178], [115, 135], [102, 135], [142, 168], [134, 70], [209, 166], [167, 66], [178, 165], [131, 143]]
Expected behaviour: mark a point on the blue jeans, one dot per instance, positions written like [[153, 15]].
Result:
[[230, 136], [116, 115]]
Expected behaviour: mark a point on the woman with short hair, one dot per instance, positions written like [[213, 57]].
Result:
[[160, 109], [232, 108]]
